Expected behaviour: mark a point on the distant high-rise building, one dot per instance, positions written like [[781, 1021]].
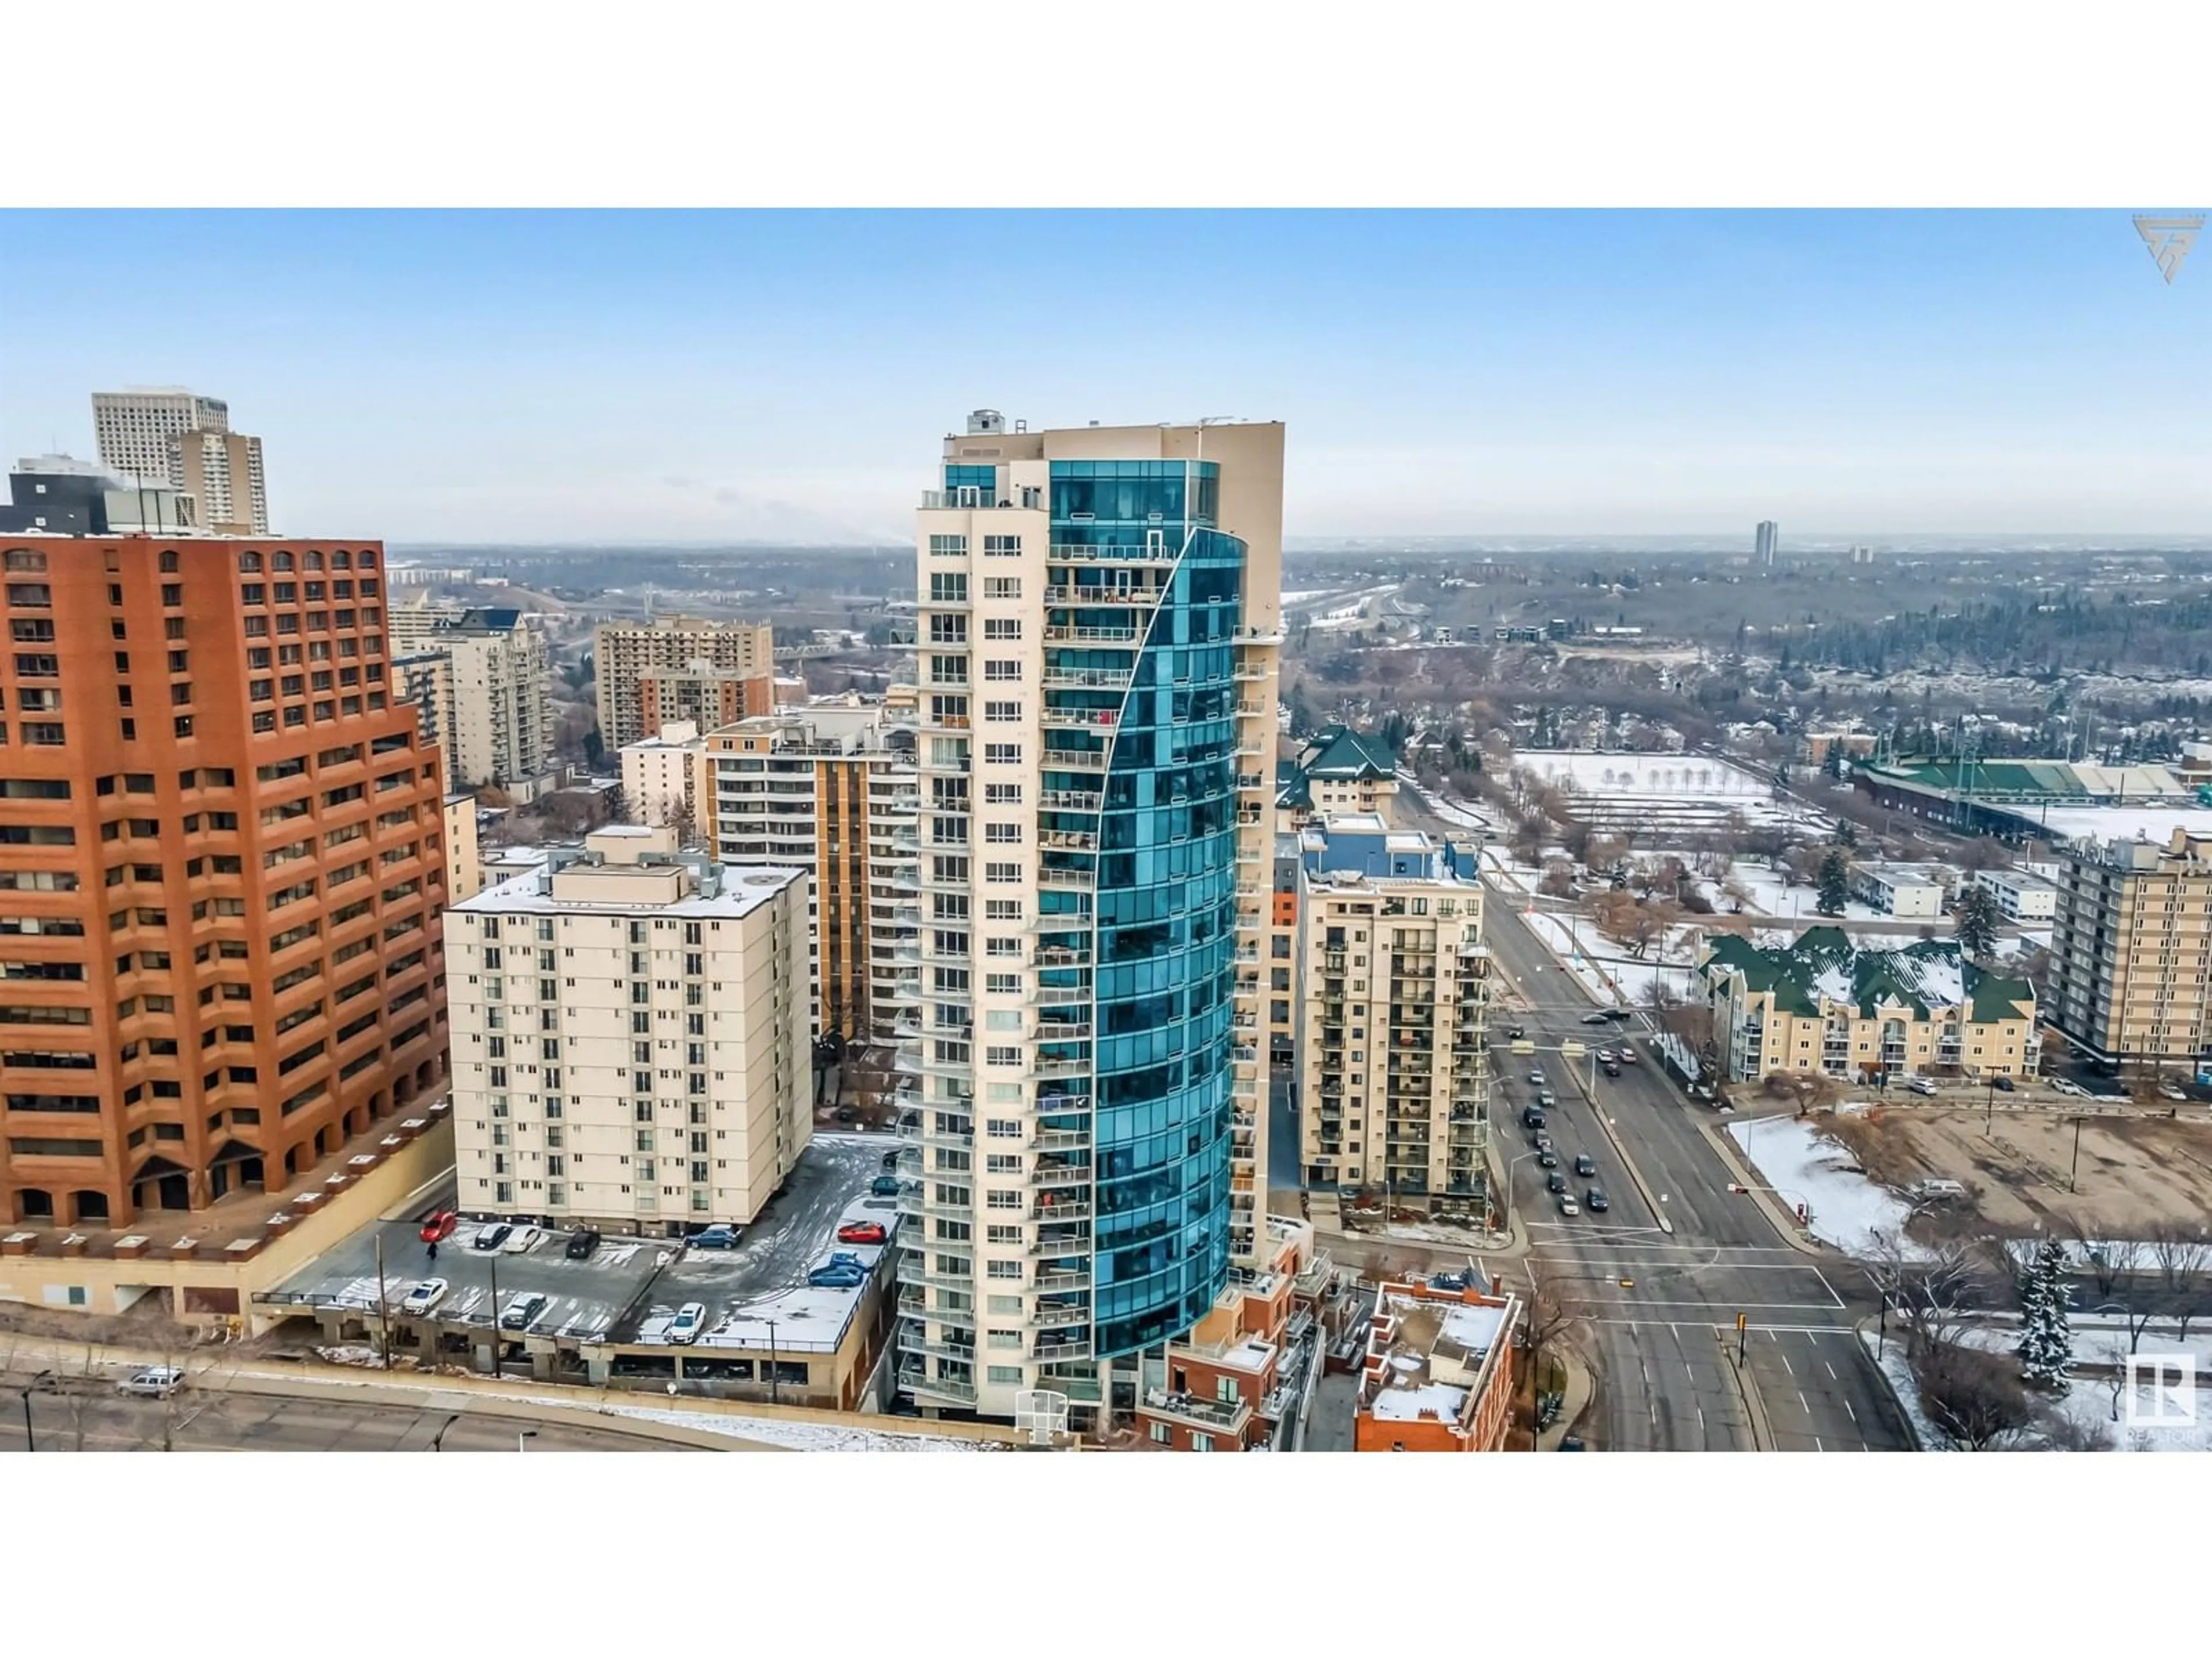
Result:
[[169, 435], [1862, 555], [221, 471], [1085, 1094], [831, 791], [623, 652], [1766, 543], [489, 702], [133, 429], [2131, 953], [222, 872]]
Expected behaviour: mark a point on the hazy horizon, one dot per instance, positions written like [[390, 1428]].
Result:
[[784, 379]]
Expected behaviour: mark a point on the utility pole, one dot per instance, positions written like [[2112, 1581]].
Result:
[[2073, 1175], [383, 1299], [495, 1313]]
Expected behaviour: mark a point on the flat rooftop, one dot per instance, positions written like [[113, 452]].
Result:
[[742, 891], [631, 1287]]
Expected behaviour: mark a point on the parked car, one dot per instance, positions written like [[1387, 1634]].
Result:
[[2169, 1089], [862, 1232], [1555, 1182], [1595, 1198], [440, 1224], [2002, 1083], [582, 1242], [1546, 1158], [2067, 1085], [1572, 1443], [884, 1186], [1920, 1085], [890, 1162], [423, 1296], [847, 1115], [491, 1237], [153, 1383], [523, 1240], [522, 1308], [1585, 1165], [835, 1277], [722, 1236], [684, 1328], [1568, 1206]]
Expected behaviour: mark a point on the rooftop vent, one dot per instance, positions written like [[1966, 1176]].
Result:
[[986, 421]]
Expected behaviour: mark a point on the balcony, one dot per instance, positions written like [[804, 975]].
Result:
[[1113, 553], [1220, 1416], [1059, 1316], [1055, 717], [1064, 633], [1059, 876], [1076, 760], [1070, 800], [1088, 679], [1078, 1279], [911, 1379], [1059, 1244], [1116, 596]]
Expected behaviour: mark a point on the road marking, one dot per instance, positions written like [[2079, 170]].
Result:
[[1687, 1372], [1806, 1403], [1817, 1446], [1786, 1365], [1714, 1306], [1847, 1407], [1667, 1324], [1831, 1370]]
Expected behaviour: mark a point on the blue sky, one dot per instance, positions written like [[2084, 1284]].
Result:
[[636, 376]]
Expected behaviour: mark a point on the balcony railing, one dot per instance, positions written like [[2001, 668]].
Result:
[[1227, 1415]]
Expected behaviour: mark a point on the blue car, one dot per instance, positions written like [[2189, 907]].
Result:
[[836, 1279], [719, 1236]]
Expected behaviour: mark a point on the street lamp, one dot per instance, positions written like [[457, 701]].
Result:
[[30, 1436], [522, 1441]]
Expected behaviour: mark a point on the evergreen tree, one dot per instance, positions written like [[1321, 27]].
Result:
[[1977, 921], [1847, 833], [2046, 1346], [1834, 882]]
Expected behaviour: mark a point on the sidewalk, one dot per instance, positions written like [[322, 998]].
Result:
[[1581, 1390]]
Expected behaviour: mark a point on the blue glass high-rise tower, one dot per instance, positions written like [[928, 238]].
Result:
[[1083, 1098]]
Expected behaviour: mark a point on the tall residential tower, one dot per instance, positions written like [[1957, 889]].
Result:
[[1084, 1102]]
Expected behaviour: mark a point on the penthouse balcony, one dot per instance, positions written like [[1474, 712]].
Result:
[[1147, 553], [1084, 595], [1088, 679], [1076, 760], [1215, 1416]]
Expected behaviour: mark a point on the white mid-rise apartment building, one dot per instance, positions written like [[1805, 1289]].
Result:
[[1084, 1093], [666, 781], [1392, 1014], [831, 790], [629, 1038]]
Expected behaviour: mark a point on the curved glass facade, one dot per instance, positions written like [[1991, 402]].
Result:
[[1137, 878]]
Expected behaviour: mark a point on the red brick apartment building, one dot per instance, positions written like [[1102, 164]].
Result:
[[221, 875], [1438, 1370]]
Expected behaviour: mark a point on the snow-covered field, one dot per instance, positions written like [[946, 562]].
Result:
[[1805, 1168], [1603, 967], [1690, 777], [1772, 895]]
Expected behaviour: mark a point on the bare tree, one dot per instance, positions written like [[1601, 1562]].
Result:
[[2183, 1260], [1930, 1291], [1974, 1399], [1548, 1319]]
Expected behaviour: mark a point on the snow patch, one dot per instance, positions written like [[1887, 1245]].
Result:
[[1805, 1168]]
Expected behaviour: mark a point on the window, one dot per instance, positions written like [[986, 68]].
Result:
[[1002, 627], [1002, 711], [949, 547], [1002, 547], [1003, 834], [1002, 587], [948, 587], [1002, 754], [1001, 668]]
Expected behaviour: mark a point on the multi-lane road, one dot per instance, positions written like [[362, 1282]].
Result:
[[99, 1420], [1660, 1279]]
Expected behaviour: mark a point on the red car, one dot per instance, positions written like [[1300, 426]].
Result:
[[862, 1232], [440, 1226]]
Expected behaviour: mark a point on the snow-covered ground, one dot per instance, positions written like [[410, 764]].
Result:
[[1605, 969], [2089, 1403], [1688, 777], [1805, 1168], [1772, 895], [798, 1437], [1465, 814]]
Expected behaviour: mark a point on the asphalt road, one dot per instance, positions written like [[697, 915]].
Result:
[[1660, 1306], [236, 1422]]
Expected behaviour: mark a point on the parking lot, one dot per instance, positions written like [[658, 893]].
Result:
[[629, 1287]]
